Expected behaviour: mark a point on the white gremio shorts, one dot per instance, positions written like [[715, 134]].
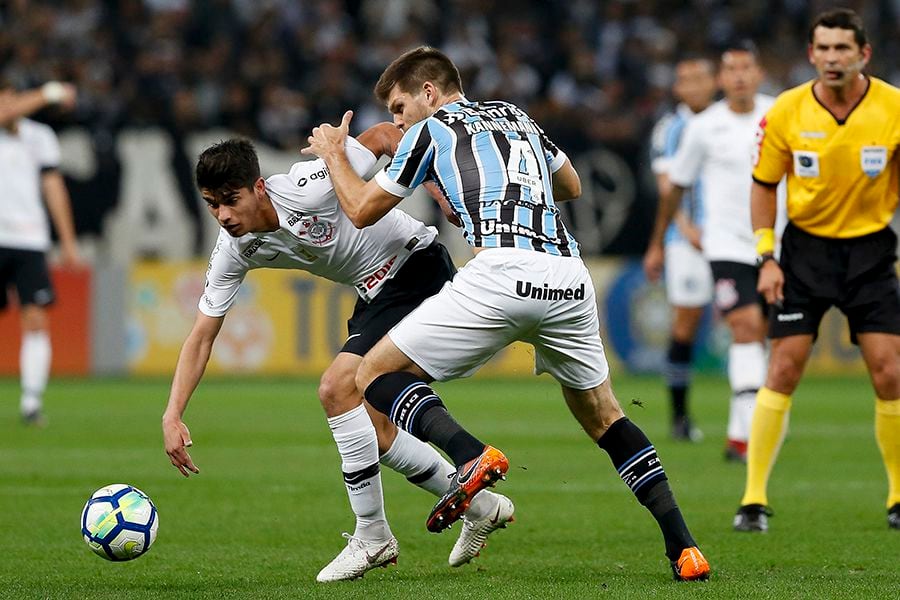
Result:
[[503, 295], [689, 280]]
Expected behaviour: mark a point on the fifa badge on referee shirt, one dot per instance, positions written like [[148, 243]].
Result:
[[873, 159], [806, 164]]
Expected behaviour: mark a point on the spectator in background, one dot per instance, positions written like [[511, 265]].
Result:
[[29, 169]]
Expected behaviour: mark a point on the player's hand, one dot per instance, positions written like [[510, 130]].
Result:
[[70, 96], [442, 201], [70, 257], [327, 138], [653, 262], [771, 282], [177, 438]]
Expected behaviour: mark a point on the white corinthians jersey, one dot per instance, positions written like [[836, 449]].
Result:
[[717, 149], [24, 155], [315, 235]]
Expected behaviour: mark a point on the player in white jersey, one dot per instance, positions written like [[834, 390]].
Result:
[[688, 278], [29, 170], [717, 150], [293, 221]]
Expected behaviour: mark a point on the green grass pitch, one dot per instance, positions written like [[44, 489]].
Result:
[[268, 508]]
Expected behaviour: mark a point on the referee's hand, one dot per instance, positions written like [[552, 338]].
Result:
[[771, 282]]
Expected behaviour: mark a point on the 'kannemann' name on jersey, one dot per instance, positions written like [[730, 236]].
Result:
[[495, 165]]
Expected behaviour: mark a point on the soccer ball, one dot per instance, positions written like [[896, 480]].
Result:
[[119, 522]]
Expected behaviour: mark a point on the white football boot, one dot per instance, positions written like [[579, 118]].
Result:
[[475, 532], [358, 557]]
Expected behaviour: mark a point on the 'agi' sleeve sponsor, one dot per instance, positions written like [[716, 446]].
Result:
[[772, 153], [409, 166]]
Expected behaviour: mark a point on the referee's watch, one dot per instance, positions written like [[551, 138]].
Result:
[[764, 258]]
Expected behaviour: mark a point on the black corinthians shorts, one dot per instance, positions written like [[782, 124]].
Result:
[[422, 275], [27, 271], [858, 275]]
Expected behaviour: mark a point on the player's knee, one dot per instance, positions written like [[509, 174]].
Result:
[[337, 393], [34, 319]]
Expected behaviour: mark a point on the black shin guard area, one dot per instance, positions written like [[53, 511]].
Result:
[[413, 406], [403, 397], [633, 456]]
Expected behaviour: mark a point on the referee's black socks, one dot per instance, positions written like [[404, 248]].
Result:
[[413, 406], [634, 457]]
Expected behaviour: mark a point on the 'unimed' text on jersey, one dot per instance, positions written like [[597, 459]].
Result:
[[494, 164], [315, 235]]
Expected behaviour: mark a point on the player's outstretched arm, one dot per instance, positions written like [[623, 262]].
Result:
[[16, 106], [192, 362], [363, 202]]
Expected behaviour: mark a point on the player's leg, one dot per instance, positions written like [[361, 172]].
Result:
[[746, 374], [449, 336], [34, 362], [787, 359], [35, 292], [357, 444], [637, 463], [685, 322], [740, 304], [688, 289], [881, 351]]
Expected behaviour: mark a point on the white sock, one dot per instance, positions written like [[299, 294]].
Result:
[[34, 369], [354, 435], [746, 374], [423, 466]]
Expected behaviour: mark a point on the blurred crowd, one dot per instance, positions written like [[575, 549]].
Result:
[[595, 72]]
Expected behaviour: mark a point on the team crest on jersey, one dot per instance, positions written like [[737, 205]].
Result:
[[318, 232], [806, 164], [873, 159]]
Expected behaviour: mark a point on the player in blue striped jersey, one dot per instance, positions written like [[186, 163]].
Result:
[[503, 178], [688, 278]]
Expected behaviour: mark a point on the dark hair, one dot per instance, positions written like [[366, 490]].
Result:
[[415, 67], [228, 165], [741, 45], [841, 18], [696, 57]]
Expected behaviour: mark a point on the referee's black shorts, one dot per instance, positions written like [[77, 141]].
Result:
[[422, 275], [858, 275], [27, 271]]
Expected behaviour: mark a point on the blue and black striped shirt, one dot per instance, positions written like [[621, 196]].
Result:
[[494, 164]]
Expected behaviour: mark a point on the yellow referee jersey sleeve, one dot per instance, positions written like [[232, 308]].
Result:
[[842, 175]]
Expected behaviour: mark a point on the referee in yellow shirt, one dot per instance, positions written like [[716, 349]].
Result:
[[836, 138]]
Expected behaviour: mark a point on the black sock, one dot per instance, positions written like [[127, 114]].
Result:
[[414, 407], [634, 457], [678, 376]]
